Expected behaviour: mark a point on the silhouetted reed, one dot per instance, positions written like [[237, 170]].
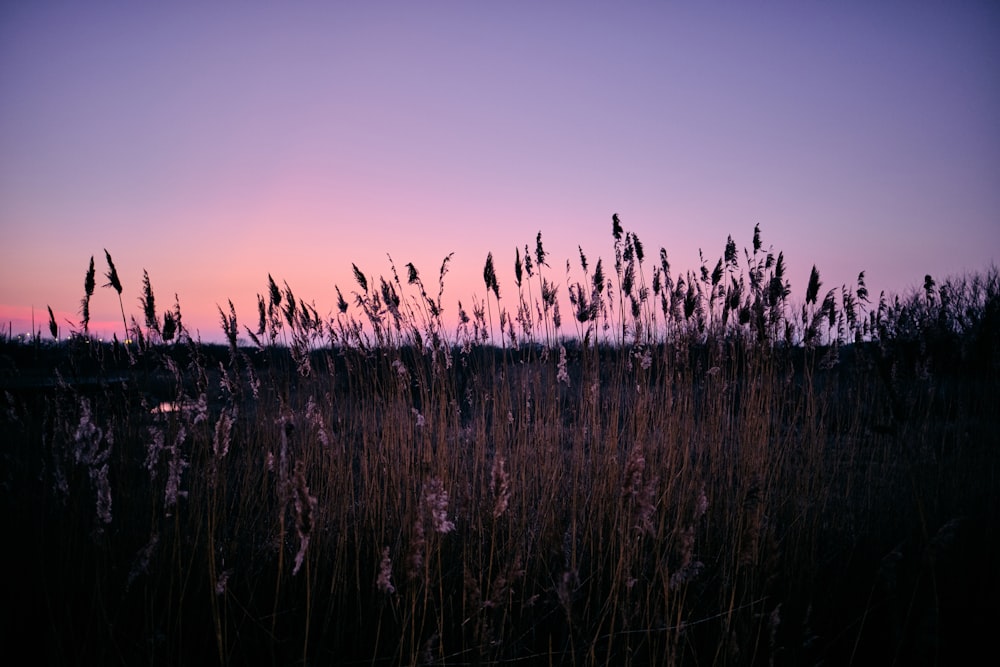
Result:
[[698, 471]]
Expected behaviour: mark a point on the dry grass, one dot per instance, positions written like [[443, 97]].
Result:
[[673, 485]]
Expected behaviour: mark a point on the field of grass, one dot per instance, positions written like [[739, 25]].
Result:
[[687, 470]]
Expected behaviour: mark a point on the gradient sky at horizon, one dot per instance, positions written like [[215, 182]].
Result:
[[213, 144]]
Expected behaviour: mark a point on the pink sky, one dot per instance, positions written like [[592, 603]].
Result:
[[213, 146]]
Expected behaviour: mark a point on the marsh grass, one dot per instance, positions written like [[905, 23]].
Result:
[[696, 476]]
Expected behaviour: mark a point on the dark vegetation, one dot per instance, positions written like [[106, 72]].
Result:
[[698, 472]]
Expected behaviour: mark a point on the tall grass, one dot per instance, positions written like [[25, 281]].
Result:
[[696, 473]]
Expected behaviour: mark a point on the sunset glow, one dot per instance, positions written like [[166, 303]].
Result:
[[213, 146]]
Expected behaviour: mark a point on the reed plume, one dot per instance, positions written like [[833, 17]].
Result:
[[88, 291], [53, 327], [116, 283], [149, 305]]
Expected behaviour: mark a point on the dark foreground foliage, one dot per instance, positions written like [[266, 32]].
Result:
[[684, 488]]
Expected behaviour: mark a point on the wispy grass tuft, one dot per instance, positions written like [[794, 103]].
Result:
[[704, 473]]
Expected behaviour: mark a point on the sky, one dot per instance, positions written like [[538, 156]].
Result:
[[213, 144]]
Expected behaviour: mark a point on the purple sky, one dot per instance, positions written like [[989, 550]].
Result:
[[212, 146]]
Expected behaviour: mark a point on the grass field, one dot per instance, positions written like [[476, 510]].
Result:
[[687, 470]]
